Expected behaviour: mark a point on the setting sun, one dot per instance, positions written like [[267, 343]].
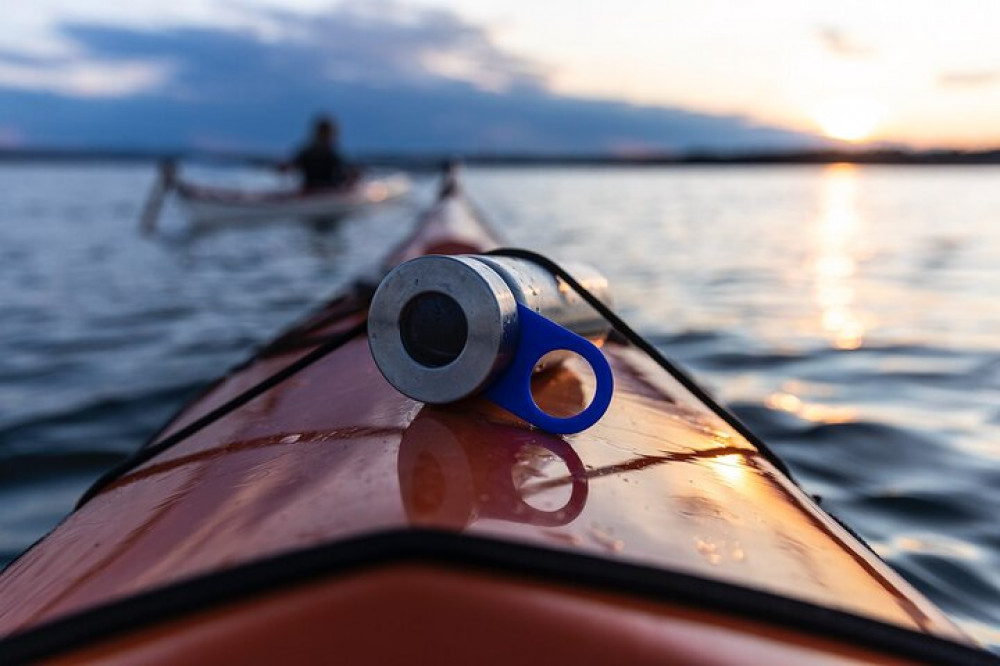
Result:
[[848, 120]]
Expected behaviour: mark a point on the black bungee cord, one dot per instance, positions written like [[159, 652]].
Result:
[[334, 342], [635, 339]]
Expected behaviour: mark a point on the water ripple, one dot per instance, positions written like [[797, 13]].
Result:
[[826, 306]]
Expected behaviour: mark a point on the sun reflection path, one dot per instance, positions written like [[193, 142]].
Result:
[[835, 266]]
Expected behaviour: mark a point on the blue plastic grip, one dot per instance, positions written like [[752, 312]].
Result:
[[537, 337]]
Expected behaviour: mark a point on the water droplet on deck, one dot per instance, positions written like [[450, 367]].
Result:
[[606, 539], [564, 537]]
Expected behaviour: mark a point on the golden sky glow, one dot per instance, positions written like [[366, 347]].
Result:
[[930, 69], [920, 73]]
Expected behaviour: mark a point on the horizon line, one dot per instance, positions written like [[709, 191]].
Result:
[[433, 159]]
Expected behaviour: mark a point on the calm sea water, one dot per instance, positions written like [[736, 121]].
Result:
[[850, 315]]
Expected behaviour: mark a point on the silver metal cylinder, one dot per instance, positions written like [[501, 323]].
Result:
[[441, 328]]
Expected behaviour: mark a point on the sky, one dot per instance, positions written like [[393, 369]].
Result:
[[561, 76]]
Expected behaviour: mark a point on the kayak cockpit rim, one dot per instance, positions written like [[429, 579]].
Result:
[[455, 550]]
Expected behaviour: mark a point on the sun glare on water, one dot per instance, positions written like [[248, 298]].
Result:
[[848, 120]]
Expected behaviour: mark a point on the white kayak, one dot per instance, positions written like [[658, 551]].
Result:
[[218, 204]]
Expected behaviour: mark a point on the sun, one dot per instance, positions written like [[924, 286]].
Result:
[[848, 119]]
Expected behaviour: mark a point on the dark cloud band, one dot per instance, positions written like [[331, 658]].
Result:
[[399, 80]]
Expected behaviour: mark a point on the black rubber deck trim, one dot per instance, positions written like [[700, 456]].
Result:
[[203, 592]]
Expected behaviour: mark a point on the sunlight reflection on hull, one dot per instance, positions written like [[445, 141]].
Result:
[[731, 468]]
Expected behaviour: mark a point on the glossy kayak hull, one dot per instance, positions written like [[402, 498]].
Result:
[[207, 205], [331, 518]]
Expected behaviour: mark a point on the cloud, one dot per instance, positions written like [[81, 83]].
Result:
[[379, 43], [838, 42], [969, 79], [398, 79], [94, 78]]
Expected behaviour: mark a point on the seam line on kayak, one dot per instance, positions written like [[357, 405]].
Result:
[[146, 453]]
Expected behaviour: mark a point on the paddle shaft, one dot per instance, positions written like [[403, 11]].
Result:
[[164, 183]]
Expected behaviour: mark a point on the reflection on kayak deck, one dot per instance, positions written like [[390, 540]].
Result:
[[456, 468]]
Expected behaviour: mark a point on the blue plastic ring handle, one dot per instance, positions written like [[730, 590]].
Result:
[[537, 337]]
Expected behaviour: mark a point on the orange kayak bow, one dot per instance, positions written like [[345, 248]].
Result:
[[302, 510]]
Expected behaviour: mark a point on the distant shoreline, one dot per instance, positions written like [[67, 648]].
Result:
[[431, 161]]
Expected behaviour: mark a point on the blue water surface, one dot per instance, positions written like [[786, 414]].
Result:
[[850, 315]]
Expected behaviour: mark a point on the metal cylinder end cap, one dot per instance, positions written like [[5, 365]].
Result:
[[440, 328]]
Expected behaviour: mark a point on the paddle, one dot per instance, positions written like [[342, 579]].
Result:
[[165, 182]]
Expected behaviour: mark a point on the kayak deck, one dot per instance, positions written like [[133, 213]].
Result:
[[662, 489]]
